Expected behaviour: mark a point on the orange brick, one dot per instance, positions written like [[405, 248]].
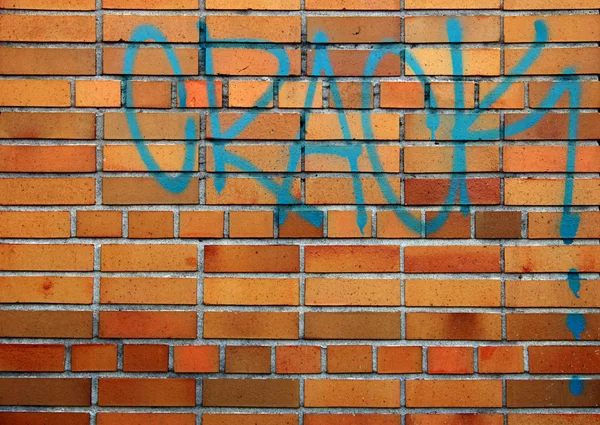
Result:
[[98, 224], [249, 191], [352, 5], [433, 29], [402, 94], [253, 4], [197, 94], [456, 226], [44, 61], [297, 359], [550, 393], [553, 419], [351, 95], [440, 159], [176, 29], [550, 191], [294, 225], [546, 225], [498, 224], [326, 126], [544, 159], [155, 392], [251, 393], [251, 224], [513, 98], [150, 224], [416, 127], [47, 28], [46, 289], [342, 224], [589, 96], [148, 94], [268, 126], [148, 324], [250, 94], [389, 225], [97, 93], [150, 61], [455, 393], [168, 157], [367, 325], [452, 4], [251, 291], [47, 191], [250, 325], [340, 190], [143, 4], [45, 392], [337, 291], [258, 62], [270, 158], [452, 293], [105, 418], [32, 358], [476, 61], [563, 28], [399, 360], [443, 95], [351, 393], [39, 93], [356, 259], [550, 293], [294, 94], [145, 190], [454, 326], [528, 259], [564, 359], [351, 419], [47, 158], [346, 29], [388, 158], [450, 360], [349, 359], [45, 324], [553, 61], [352, 63], [55, 257], [549, 327], [452, 259], [151, 257], [196, 359], [555, 126], [251, 258], [249, 419], [272, 29], [201, 224], [458, 418], [44, 418], [147, 290], [47, 125], [500, 359], [145, 358], [35, 224], [154, 125], [247, 359], [48, 5], [94, 358]]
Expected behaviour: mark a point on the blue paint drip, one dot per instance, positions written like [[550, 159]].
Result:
[[574, 282], [576, 324], [576, 386]]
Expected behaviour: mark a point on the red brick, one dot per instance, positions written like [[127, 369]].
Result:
[[553, 419], [359, 325], [251, 291], [34, 224], [196, 359], [151, 257], [45, 392], [251, 393], [148, 290], [251, 224], [528, 259], [106, 418], [249, 258], [455, 393], [201, 224], [148, 324], [338, 291], [48, 5], [455, 419], [550, 393], [145, 358], [452, 293], [250, 325], [94, 358], [500, 359], [355, 259], [401, 94], [352, 5], [349, 359], [143, 4], [247, 359], [150, 224], [44, 418], [298, 359], [450, 360], [433, 191], [452, 259], [351, 393], [47, 125], [153, 392], [249, 418], [550, 293], [48, 159], [454, 326], [399, 360], [148, 94], [99, 224], [549, 327], [32, 358], [570, 360]]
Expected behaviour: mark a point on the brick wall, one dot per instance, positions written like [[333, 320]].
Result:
[[276, 212]]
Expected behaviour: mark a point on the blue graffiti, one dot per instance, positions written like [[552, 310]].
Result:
[[576, 386], [576, 324], [574, 282]]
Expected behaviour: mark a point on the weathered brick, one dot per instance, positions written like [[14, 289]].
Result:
[[454, 326]]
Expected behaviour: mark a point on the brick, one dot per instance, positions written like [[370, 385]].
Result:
[[201, 224], [294, 225], [54, 257], [250, 94], [450, 360], [39, 93], [294, 94], [555, 126], [570, 360], [145, 358], [147, 290], [553, 419], [401, 94], [590, 92], [550, 191], [452, 4], [565, 28], [454, 326], [399, 360], [498, 224], [257, 62], [47, 158], [297, 359], [249, 419], [528, 259], [268, 126], [352, 63], [326, 126], [340, 190], [250, 191], [45, 392], [94, 358], [272, 29], [550, 293], [150, 224], [47, 28], [546, 225], [512, 98], [201, 94], [352, 259], [247, 359], [196, 359], [176, 29], [416, 127], [253, 5], [351, 393], [153, 392], [440, 159], [148, 324], [552, 61], [460, 418], [452, 293], [149, 61], [349, 359], [46, 289], [351, 419], [154, 257], [32, 358], [44, 418], [145, 190], [97, 93], [476, 61], [98, 224], [356, 292], [34, 224], [549, 327], [455, 393], [433, 29], [44, 61], [251, 291], [48, 5], [456, 226], [360, 325], [500, 359], [550, 393], [105, 418], [47, 125], [148, 94], [142, 4], [266, 158], [251, 224], [442, 95], [352, 5], [550, 4], [451, 259], [542, 159], [251, 258], [47, 191], [154, 125], [434, 191], [389, 225], [345, 29], [343, 224], [250, 325], [351, 95], [251, 393]]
